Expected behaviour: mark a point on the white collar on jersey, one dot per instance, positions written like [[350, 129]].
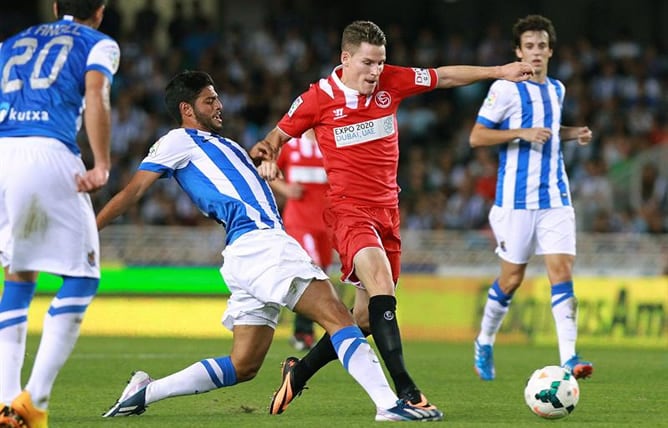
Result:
[[351, 95], [68, 18], [346, 90]]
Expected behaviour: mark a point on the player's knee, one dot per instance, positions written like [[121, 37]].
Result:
[[333, 316], [247, 370]]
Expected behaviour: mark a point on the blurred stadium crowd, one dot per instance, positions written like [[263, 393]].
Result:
[[620, 90]]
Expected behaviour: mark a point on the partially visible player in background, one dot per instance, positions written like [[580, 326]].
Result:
[[303, 188], [50, 72], [532, 213]]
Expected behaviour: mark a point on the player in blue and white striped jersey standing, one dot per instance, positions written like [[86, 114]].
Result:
[[264, 268], [532, 212], [52, 76]]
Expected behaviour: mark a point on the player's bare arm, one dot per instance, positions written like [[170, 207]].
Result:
[[97, 119], [269, 171], [582, 134], [276, 138], [267, 152], [482, 136], [287, 190], [261, 151], [460, 75], [127, 197]]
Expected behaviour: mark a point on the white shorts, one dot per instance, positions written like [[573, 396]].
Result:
[[45, 224], [265, 270], [522, 233]]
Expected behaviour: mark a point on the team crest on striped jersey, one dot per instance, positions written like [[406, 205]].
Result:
[[491, 99], [154, 148]]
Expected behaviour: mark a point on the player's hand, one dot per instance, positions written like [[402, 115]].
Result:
[[269, 170], [584, 135], [517, 71], [92, 180], [262, 151], [536, 135]]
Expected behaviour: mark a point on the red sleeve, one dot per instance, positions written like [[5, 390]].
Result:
[[302, 114], [408, 81]]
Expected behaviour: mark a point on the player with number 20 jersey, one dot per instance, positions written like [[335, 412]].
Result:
[[42, 92], [43, 71], [53, 78]]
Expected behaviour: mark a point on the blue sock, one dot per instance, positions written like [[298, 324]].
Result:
[[495, 293], [16, 298]]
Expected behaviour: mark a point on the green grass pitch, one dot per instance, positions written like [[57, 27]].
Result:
[[629, 387]]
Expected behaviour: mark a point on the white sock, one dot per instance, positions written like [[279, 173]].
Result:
[[13, 347], [564, 311], [359, 359], [495, 311], [59, 335], [203, 376]]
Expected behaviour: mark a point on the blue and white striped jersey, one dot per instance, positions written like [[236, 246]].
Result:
[[530, 176], [42, 78], [219, 177]]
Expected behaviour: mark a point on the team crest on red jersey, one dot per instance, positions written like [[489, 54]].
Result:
[[383, 99]]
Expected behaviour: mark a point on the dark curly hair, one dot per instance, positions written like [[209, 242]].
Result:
[[185, 87], [534, 23]]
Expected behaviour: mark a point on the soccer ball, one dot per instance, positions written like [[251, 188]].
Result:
[[552, 392]]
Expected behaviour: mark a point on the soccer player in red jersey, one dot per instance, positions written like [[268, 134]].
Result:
[[304, 187], [353, 113]]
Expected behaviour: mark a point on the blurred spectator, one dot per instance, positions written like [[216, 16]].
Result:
[[465, 209], [593, 196], [112, 24], [651, 190], [177, 27], [457, 50], [128, 125], [659, 131], [624, 46], [146, 22], [200, 19], [485, 171], [494, 48]]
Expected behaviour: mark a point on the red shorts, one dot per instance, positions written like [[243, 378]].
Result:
[[317, 243], [358, 227]]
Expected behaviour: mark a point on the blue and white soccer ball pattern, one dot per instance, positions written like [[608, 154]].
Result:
[[552, 392]]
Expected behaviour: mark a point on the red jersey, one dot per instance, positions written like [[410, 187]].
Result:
[[301, 162], [358, 134]]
